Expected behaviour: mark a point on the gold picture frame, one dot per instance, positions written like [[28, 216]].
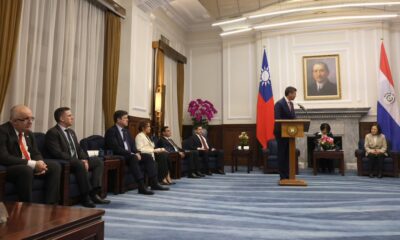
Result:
[[321, 77]]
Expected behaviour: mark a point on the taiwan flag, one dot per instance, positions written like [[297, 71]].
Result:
[[265, 106], [388, 110]]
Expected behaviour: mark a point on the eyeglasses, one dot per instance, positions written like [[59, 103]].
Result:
[[26, 120]]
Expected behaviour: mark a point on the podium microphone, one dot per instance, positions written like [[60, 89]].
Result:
[[303, 108]]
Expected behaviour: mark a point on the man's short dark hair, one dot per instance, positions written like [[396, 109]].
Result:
[[322, 64], [59, 112], [289, 90], [164, 129], [143, 124], [196, 126], [119, 114]]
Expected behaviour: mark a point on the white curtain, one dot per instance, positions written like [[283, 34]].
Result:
[[59, 62], [171, 98]]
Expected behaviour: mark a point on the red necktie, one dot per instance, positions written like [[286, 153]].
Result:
[[203, 142], [22, 147]]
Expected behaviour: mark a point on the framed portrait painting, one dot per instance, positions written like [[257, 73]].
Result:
[[321, 77]]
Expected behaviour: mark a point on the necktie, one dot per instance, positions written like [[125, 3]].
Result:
[[125, 138], [22, 147], [291, 106], [71, 144], [203, 142], [173, 144]]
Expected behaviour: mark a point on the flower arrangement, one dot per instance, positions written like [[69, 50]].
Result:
[[243, 139], [326, 143], [201, 112]]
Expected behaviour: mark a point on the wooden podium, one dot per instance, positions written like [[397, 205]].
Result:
[[293, 128]]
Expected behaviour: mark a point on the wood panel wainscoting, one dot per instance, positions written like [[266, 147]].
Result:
[[226, 137]]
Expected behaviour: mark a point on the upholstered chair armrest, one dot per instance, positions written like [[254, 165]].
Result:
[[359, 153], [2, 181]]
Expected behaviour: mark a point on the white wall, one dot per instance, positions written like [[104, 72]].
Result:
[[139, 30], [236, 64]]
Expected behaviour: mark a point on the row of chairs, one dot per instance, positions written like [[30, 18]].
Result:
[[122, 181], [390, 164]]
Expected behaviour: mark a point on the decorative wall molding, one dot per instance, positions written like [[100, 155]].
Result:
[[332, 113]]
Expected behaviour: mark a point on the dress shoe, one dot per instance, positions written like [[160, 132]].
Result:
[[159, 187], [209, 173], [380, 175], [98, 200], [86, 202], [192, 175], [172, 183], [199, 174], [219, 171], [371, 175], [145, 191]]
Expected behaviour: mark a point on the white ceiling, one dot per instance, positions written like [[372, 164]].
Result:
[[193, 13]]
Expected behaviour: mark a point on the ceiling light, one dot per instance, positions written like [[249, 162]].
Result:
[[327, 19], [235, 31], [229, 21], [345, 5]]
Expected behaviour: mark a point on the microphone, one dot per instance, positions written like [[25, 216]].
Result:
[[303, 108]]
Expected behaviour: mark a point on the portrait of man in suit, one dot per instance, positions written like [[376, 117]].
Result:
[[321, 77]]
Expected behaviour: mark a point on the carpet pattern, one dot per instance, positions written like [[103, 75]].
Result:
[[253, 206]]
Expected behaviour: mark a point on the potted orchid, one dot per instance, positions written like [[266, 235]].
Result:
[[201, 111]]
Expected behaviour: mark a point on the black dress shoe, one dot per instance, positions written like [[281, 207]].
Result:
[[145, 191], [371, 175], [209, 173], [199, 174], [192, 175], [86, 202], [159, 187], [219, 171], [172, 183], [98, 200], [380, 175]]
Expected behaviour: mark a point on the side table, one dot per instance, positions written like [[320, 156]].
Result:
[[248, 154], [113, 166], [317, 155]]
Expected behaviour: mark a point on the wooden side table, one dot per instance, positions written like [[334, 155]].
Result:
[[175, 159], [113, 166], [248, 154], [317, 155]]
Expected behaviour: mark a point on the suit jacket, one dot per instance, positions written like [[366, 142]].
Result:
[[370, 144], [164, 143], [10, 153], [113, 140], [329, 88], [57, 144], [144, 144], [194, 142], [282, 111]]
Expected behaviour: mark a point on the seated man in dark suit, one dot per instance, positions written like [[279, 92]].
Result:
[[121, 143], [62, 143], [192, 157], [201, 143], [18, 151]]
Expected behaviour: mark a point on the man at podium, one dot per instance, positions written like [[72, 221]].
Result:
[[284, 110]]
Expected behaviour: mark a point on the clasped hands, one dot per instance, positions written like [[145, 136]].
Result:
[[40, 167]]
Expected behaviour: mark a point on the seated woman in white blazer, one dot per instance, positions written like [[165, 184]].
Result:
[[145, 145]]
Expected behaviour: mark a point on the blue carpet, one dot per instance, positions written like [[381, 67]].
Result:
[[253, 206]]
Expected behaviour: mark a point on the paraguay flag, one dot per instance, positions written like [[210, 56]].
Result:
[[388, 110], [265, 106]]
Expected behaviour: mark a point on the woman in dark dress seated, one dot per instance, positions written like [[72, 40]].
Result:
[[325, 165]]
